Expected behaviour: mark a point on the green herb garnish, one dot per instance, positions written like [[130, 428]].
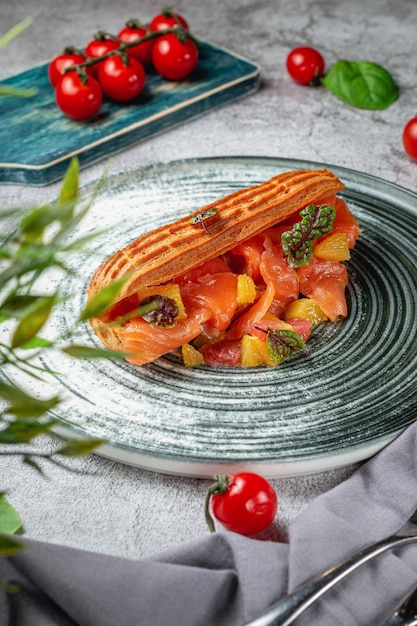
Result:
[[202, 216], [283, 343], [159, 311], [297, 243], [362, 84]]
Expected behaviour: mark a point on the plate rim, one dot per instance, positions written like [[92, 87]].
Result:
[[122, 452]]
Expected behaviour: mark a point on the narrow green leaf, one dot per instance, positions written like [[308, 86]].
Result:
[[9, 587], [10, 521], [9, 546], [85, 352], [34, 223], [31, 323], [15, 31], [24, 431], [37, 342], [102, 300], [70, 184], [15, 92], [362, 84], [15, 304], [22, 405], [80, 447]]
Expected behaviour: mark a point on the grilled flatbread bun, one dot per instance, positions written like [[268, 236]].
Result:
[[171, 250]]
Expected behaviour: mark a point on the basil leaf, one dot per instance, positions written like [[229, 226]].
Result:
[[362, 84], [297, 243]]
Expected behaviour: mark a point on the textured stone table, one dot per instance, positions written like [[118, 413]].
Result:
[[109, 507]]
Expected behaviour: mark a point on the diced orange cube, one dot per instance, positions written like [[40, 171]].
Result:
[[246, 289], [305, 308], [333, 248], [191, 356], [254, 352]]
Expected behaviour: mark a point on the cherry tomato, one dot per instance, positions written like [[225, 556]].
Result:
[[78, 98], [143, 51], [174, 59], [305, 65], [61, 62], [121, 79], [410, 138], [97, 48], [167, 19], [245, 503]]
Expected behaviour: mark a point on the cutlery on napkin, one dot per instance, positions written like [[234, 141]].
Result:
[[227, 579]]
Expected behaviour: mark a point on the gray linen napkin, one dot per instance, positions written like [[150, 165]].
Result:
[[226, 579]]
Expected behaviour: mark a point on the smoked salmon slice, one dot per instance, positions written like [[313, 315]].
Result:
[[325, 282], [248, 278]]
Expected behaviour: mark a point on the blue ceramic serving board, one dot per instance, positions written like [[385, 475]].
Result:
[[37, 141]]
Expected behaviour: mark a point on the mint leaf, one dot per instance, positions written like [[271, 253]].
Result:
[[297, 243], [283, 343], [362, 84]]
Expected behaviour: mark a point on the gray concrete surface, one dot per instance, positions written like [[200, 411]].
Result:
[[112, 508]]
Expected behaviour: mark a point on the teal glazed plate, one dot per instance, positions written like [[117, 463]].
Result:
[[44, 140], [344, 397]]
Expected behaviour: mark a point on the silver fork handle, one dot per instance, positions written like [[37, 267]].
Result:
[[287, 610]]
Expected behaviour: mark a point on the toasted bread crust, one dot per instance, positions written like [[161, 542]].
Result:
[[173, 249]]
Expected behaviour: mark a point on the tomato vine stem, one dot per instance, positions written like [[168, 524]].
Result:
[[179, 31]]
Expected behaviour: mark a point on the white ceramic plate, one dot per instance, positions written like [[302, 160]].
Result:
[[349, 393]]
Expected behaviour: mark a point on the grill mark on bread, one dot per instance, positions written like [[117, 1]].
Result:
[[173, 249]]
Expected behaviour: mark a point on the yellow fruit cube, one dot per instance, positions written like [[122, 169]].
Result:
[[246, 289], [191, 356], [307, 309], [333, 248], [254, 352]]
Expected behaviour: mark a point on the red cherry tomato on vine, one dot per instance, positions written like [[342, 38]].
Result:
[[410, 138], [77, 98], [121, 80], [245, 503], [174, 59], [60, 63], [305, 65], [167, 19], [97, 48], [143, 51]]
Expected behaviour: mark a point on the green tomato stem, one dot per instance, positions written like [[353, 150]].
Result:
[[220, 485], [179, 31]]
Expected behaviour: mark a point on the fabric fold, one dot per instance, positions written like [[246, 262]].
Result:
[[226, 579]]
